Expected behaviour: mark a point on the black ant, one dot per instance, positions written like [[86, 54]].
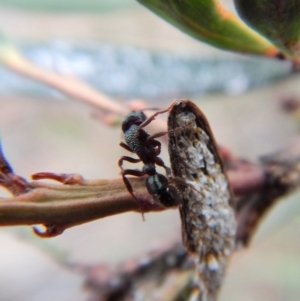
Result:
[[147, 149]]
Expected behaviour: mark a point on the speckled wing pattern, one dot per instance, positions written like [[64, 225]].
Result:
[[208, 221]]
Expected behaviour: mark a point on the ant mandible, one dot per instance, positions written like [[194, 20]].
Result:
[[147, 149]]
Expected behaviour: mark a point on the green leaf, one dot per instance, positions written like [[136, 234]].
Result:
[[209, 22], [278, 20]]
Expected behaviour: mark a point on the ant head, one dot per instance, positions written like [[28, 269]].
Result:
[[133, 118]]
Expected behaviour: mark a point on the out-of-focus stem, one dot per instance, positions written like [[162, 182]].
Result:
[[69, 85]]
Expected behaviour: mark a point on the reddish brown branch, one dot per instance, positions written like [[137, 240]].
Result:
[[259, 187], [119, 283], [59, 209], [57, 206], [16, 185], [276, 176]]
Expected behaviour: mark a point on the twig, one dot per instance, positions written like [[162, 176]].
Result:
[[71, 86], [281, 177], [122, 282], [43, 203], [59, 207], [112, 111], [16, 185]]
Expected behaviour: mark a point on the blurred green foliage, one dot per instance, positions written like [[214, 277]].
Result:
[[277, 20], [69, 5], [208, 21]]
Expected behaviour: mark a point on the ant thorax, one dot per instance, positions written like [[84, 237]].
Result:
[[137, 140]]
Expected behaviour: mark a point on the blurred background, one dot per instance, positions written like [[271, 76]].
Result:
[[123, 50]]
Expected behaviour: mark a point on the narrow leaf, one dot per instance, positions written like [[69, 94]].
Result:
[[207, 214], [277, 20], [208, 21]]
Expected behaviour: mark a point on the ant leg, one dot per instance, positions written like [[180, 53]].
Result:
[[152, 117], [131, 172], [183, 182], [128, 159], [135, 173], [124, 145], [160, 134], [151, 109], [156, 143], [161, 163]]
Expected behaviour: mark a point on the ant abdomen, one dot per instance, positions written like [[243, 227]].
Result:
[[162, 192]]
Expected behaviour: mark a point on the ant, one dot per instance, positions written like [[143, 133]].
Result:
[[147, 149]]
